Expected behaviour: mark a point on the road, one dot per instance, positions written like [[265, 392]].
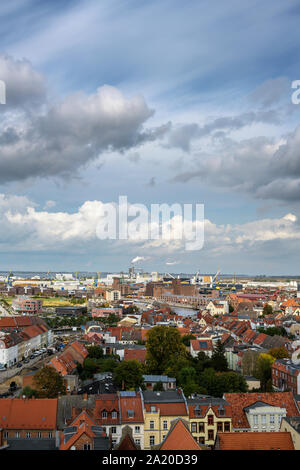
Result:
[[16, 371]]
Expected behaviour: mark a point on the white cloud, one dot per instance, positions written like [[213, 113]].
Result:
[[25, 227]]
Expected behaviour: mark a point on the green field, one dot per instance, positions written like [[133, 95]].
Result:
[[49, 301]]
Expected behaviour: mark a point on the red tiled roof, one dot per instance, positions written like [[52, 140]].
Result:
[[134, 404], [168, 409], [135, 354], [260, 338], [38, 413], [179, 438], [239, 401], [195, 343], [255, 441]]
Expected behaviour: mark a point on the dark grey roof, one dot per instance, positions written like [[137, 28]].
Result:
[[171, 396], [257, 404], [67, 402], [31, 444], [206, 400], [158, 378], [294, 421], [101, 443]]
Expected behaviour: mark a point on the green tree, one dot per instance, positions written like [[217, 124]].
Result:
[[267, 310], [29, 392], [186, 339], [163, 344], [279, 353], [95, 352], [263, 370], [158, 387], [48, 383], [175, 365], [218, 359], [129, 375]]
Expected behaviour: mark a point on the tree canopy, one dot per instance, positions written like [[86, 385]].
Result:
[[129, 375], [48, 383], [163, 345]]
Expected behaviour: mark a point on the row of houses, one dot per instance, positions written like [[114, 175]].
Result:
[[20, 336], [98, 422]]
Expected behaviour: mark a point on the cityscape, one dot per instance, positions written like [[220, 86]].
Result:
[[149, 229]]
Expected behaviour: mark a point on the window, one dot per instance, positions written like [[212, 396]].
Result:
[[114, 430], [137, 429], [221, 412], [5, 434], [152, 409], [86, 446], [104, 414], [220, 427], [263, 419], [210, 435], [130, 413], [152, 440], [272, 419], [17, 435], [165, 425], [151, 424], [114, 415], [201, 427], [201, 440], [28, 435], [50, 435], [39, 435], [255, 419], [227, 426], [138, 442], [210, 420], [194, 427]]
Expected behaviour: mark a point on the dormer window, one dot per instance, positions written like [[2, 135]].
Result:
[[130, 413], [114, 415], [104, 414]]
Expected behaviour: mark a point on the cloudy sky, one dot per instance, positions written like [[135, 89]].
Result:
[[161, 101]]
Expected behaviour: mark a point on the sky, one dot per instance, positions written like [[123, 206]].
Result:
[[164, 102]]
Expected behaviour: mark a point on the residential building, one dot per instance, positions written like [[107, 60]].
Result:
[[24, 305], [207, 417], [260, 412], [160, 409]]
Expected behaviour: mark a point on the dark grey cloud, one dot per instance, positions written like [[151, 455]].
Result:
[[262, 167], [25, 86], [271, 92], [182, 136], [72, 133]]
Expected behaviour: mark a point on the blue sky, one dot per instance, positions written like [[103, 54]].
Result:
[[202, 113]]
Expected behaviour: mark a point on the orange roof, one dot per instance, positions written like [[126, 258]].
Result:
[[79, 347], [168, 409], [38, 413], [260, 338], [134, 404], [179, 438], [255, 441], [290, 303], [135, 354], [183, 331], [83, 422], [239, 401]]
